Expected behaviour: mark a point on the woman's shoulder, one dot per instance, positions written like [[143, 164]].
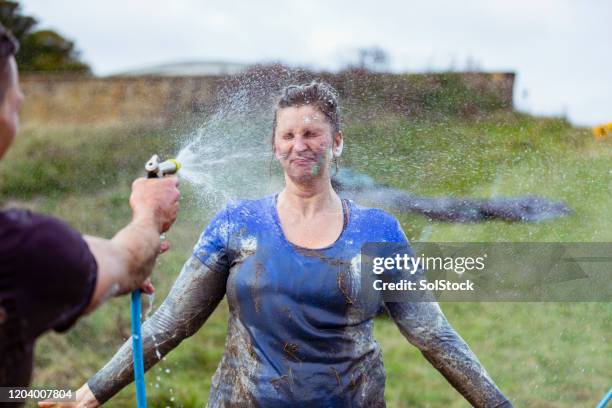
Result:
[[237, 217], [371, 214], [376, 223]]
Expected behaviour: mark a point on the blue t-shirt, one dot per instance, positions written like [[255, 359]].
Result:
[[299, 333]]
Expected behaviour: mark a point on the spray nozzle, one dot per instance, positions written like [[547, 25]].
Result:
[[157, 168]]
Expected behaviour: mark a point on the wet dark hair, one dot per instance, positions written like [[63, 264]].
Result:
[[9, 46], [321, 95]]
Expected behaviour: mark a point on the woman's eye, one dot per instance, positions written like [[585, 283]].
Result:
[[288, 136]]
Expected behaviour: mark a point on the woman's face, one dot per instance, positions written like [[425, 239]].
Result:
[[303, 142]]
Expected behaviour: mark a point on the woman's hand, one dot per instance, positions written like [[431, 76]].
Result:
[[84, 399]]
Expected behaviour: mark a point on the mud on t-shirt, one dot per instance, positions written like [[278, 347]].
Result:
[[300, 331], [47, 278]]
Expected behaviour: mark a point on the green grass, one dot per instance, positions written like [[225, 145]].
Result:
[[540, 354], [77, 160]]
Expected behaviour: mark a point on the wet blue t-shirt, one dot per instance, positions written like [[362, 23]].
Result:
[[299, 333]]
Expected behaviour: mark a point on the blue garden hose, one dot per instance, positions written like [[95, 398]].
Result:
[[155, 168], [141, 393], [605, 400]]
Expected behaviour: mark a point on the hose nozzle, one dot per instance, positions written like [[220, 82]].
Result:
[[157, 168]]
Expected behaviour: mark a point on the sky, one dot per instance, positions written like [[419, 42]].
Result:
[[561, 50]]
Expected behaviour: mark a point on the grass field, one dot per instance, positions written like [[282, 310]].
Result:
[[540, 354]]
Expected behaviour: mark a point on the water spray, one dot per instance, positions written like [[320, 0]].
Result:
[[155, 169]]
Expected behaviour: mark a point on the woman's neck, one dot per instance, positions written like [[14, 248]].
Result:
[[306, 200]]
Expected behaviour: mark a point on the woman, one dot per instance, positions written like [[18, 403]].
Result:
[[299, 333]]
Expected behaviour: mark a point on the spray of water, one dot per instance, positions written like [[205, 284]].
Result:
[[229, 154]]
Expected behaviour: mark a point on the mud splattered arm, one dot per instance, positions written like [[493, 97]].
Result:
[[426, 327], [194, 296]]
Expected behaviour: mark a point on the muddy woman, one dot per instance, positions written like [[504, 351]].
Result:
[[299, 333]]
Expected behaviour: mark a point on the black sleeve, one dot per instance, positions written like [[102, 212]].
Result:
[[59, 274]]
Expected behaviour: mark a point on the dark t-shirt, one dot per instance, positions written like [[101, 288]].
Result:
[[47, 278]]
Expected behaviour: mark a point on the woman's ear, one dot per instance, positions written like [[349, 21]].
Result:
[[275, 153], [338, 144]]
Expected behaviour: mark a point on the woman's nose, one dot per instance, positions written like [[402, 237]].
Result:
[[300, 144]]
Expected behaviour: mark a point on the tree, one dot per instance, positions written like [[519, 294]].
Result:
[[40, 50], [367, 59], [372, 59]]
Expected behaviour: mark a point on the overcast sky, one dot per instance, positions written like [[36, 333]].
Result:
[[561, 50]]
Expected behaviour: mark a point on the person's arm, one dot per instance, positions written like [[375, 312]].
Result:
[[426, 327], [126, 261], [194, 296]]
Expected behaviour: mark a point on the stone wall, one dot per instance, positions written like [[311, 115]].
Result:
[[81, 100]]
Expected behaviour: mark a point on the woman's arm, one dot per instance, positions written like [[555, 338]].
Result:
[[426, 327], [194, 296]]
